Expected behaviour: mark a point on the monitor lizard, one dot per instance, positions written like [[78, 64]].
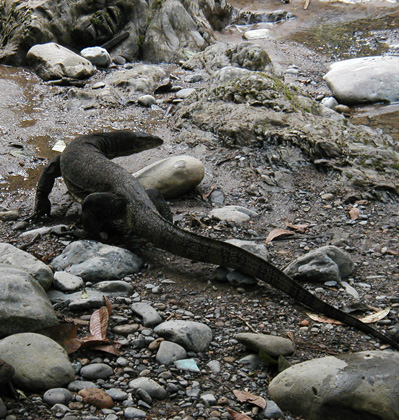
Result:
[[106, 190]]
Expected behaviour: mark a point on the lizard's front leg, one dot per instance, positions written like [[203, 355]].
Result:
[[44, 186], [99, 209]]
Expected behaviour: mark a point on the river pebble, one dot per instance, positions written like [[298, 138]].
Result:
[[150, 316], [96, 371], [57, 396]]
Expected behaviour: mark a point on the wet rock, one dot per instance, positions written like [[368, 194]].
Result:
[[52, 61], [95, 261], [269, 344], [235, 214], [24, 305], [191, 335], [67, 282], [169, 352], [150, 316], [327, 263], [96, 397], [97, 56], [39, 362], [13, 256], [365, 79], [238, 279], [173, 176], [155, 390], [57, 396], [356, 386], [96, 371]]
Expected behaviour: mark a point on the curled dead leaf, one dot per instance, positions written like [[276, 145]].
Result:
[[245, 396], [301, 228], [369, 319], [276, 233]]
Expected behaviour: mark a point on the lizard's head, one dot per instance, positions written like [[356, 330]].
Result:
[[133, 141]]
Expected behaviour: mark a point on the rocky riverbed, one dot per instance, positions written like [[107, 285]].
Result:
[[301, 176]]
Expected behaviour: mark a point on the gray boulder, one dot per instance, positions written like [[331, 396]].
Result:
[[365, 79], [95, 261], [175, 26], [52, 61], [246, 55], [327, 263], [17, 258], [191, 335], [24, 305], [97, 56], [39, 362], [172, 176], [155, 31], [355, 386]]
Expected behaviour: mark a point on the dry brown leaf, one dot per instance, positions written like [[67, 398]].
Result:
[[369, 319], [377, 316], [236, 415], [275, 233], [99, 323], [354, 213], [301, 228], [245, 396]]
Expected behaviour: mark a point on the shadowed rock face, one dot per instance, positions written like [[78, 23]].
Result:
[[155, 30]]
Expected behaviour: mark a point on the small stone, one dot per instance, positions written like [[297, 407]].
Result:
[[67, 282], [97, 55], [134, 413], [96, 371], [170, 352], [208, 399], [76, 386], [155, 390], [146, 100], [150, 316], [270, 344], [272, 411], [214, 366], [117, 394], [57, 396], [126, 329], [96, 397]]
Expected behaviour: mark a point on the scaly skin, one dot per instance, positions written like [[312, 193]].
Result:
[[86, 169]]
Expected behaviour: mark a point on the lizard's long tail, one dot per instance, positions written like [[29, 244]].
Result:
[[169, 237]]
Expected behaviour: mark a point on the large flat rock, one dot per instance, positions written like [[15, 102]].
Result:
[[365, 80]]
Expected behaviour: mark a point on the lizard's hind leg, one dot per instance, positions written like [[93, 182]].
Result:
[[99, 210], [160, 203]]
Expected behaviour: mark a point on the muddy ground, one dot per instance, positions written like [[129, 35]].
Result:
[[34, 115]]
